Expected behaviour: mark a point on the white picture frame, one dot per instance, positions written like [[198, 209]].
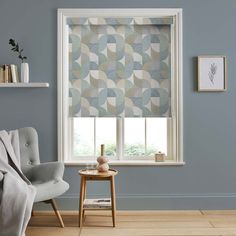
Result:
[[211, 73]]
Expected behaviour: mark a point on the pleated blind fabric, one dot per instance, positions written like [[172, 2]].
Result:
[[119, 67]]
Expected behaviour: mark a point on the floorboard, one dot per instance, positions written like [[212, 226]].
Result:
[[137, 223]]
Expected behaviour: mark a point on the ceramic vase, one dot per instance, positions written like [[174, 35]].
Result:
[[24, 72], [102, 161]]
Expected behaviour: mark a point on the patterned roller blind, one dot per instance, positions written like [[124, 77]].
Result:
[[119, 67]]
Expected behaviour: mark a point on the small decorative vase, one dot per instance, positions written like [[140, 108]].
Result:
[[24, 72], [102, 161]]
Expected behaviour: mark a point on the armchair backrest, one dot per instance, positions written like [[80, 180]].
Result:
[[29, 150]]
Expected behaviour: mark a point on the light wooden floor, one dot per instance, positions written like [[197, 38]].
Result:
[[162, 223]]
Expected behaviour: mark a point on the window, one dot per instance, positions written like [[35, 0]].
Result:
[[131, 131], [124, 139]]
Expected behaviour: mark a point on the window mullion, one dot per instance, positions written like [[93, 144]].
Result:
[[94, 138], [71, 140], [119, 137], [145, 133], [171, 139]]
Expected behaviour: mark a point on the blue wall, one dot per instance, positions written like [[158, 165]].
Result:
[[208, 180]]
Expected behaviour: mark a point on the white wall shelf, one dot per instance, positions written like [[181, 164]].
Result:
[[24, 85]]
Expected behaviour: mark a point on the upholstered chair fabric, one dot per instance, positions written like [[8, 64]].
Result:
[[46, 177], [29, 150], [1, 185]]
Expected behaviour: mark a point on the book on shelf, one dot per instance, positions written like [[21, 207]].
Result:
[[6, 74], [97, 203], [14, 73], [9, 74], [1, 74]]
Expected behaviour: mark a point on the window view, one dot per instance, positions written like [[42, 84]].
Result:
[[134, 137], [143, 137], [156, 137], [106, 134], [83, 137]]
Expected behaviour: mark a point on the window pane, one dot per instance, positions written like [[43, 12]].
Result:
[[83, 144], [106, 134], [156, 135], [134, 136]]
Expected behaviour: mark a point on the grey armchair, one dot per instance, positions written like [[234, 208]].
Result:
[[46, 177]]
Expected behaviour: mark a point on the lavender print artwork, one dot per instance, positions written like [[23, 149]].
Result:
[[212, 72]]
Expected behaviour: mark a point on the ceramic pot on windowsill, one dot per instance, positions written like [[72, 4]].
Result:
[[24, 72]]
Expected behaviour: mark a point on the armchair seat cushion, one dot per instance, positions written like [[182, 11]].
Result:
[[49, 189], [47, 178]]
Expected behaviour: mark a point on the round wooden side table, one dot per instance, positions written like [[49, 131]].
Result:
[[94, 175]]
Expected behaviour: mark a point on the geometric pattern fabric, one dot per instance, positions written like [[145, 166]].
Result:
[[119, 67]]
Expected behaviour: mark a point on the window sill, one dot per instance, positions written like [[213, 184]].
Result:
[[130, 163]]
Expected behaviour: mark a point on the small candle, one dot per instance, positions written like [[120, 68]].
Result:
[[102, 149], [159, 157]]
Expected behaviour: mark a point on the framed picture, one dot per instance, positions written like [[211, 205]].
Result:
[[211, 73]]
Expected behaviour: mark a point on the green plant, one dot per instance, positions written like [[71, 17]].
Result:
[[16, 48]]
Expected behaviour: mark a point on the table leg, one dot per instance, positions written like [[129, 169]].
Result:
[[113, 200], [84, 198], [81, 201]]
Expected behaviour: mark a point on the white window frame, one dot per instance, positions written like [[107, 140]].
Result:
[[175, 124]]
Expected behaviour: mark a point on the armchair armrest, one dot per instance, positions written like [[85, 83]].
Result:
[[46, 171], [1, 176]]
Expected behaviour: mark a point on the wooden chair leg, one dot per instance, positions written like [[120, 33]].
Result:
[[54, 206]]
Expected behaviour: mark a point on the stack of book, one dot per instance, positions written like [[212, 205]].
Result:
[[97, 203], [9, 74]]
